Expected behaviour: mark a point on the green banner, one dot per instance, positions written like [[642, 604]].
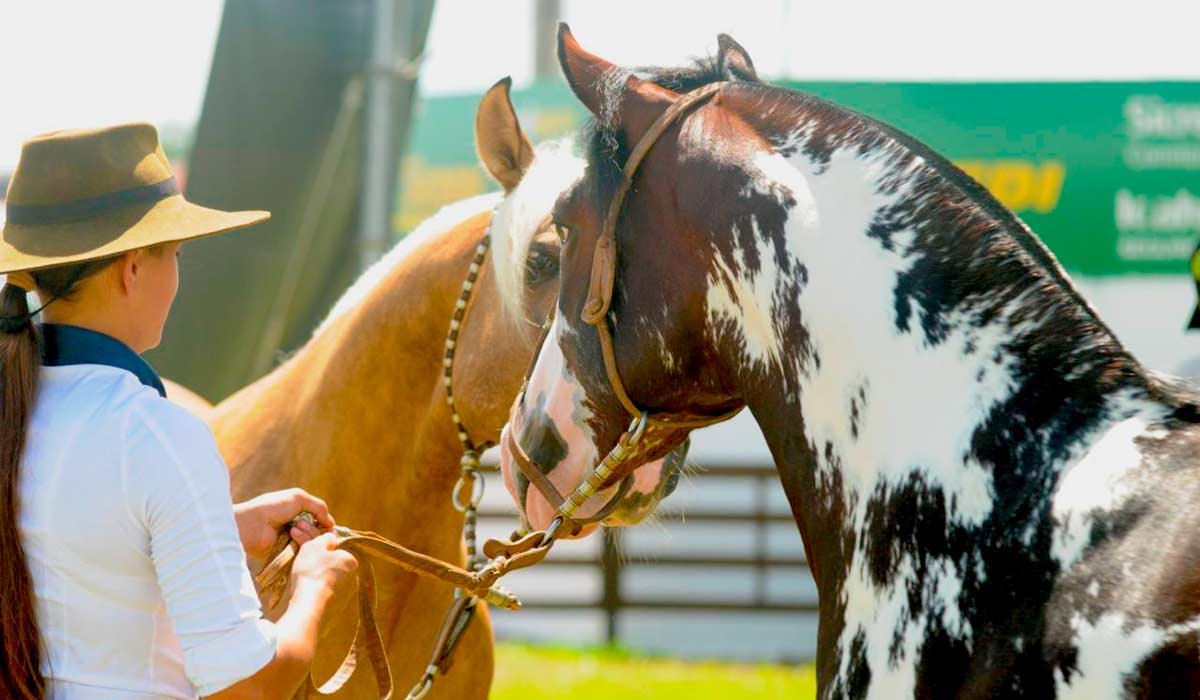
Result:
[[1107, 174]]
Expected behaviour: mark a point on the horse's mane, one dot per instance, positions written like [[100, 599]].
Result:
[[556, 167], [445, 219], [959, 220]]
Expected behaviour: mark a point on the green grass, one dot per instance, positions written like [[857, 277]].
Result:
[[532, 672]]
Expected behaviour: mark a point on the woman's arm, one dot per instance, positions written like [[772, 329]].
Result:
[[318, 572], [178, 487]]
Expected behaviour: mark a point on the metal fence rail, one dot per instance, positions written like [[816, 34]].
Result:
[[611, 567]]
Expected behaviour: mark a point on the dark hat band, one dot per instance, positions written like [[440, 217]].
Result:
[[39, 215]]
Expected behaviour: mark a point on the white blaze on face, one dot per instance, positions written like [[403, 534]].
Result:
[[555, 407]]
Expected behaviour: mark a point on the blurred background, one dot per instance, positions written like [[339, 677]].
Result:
[[352, 121]]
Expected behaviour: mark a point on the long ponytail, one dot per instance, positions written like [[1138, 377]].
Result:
[[20, 360], [20, 659]]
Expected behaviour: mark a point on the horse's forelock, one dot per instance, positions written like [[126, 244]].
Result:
[[521, 214]]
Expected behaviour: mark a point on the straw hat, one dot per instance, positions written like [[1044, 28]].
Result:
[[87, 194]]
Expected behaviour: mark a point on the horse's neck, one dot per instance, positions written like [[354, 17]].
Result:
[[949, 369], [356, 416]]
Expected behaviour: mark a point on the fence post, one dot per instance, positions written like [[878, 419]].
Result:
[[761, 496], [610, 561]]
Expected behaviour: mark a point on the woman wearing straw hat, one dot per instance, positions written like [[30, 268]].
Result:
[[122, 558]]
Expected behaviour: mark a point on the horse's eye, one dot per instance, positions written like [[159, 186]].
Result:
[[562, 232], [540, 266]]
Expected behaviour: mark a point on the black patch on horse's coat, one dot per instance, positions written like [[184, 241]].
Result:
[[543, 444], [1118, 522], [858, 678], [1170, 672], [548, 447], [522, 487], [1188, 412]]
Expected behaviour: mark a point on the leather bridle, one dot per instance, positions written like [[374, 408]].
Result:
[[595, 314]]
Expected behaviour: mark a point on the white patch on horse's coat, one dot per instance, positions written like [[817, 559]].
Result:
[[917, 390], [887, 612], [1099, 480], [1109, 649], [444, 220], [748, 301], [523, 212]]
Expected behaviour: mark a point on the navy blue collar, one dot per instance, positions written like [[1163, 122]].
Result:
[[72, 345]]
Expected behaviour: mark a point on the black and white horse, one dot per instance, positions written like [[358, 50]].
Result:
[[996, 499]]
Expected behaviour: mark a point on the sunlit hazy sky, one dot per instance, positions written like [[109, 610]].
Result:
[[89, 62]]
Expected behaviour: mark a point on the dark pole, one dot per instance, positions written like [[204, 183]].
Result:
[[611, 562], [401, 28]]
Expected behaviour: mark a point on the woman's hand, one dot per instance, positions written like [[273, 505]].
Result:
[[322, 566], [260, 519]]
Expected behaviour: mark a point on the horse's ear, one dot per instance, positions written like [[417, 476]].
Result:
[[503, 147], [612, 94], [733, 61]]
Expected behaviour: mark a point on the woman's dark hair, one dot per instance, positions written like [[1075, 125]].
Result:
[[21, 651]]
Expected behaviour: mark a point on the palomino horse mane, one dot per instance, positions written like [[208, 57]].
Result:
[[446, 218], [518, 218]]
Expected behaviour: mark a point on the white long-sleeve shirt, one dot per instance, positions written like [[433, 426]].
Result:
[[126, 519]]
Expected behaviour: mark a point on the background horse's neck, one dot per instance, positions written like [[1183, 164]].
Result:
[[358, 410], [358, 417]]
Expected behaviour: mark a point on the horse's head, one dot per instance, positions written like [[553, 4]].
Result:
[[571, 414]]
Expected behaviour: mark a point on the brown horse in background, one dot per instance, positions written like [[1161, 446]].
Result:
[[358, 416]]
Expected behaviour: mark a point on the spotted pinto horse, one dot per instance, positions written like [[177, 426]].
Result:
[[996, 499]]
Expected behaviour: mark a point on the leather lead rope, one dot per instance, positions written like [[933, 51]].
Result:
[[273, 580]]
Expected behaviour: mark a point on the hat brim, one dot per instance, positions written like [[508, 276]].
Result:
[[33, 247]]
